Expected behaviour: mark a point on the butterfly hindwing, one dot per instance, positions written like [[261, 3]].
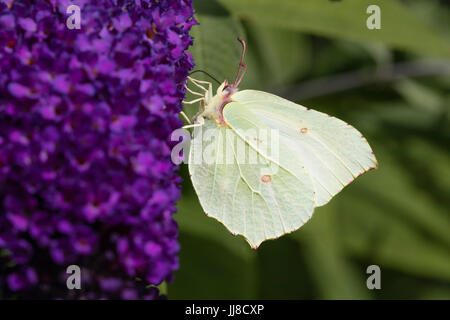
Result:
[[243, 186]]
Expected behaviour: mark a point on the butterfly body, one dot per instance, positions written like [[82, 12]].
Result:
[[213, 105]]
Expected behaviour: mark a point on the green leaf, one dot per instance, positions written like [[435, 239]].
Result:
[[419, 96], [347, 20], [213, 53], [434, 12], [285, 55], [388, 220], [209, 270], [163, 289], [283, 272], [324, 253], [4, 253]]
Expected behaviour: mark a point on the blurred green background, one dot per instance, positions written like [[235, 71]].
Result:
[[392, 85]]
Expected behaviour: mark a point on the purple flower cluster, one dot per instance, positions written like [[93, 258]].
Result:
[[86, 176]]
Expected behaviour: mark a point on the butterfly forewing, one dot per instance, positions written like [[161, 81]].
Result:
[[332, 152]]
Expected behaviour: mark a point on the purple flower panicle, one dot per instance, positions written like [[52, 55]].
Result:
[[86, 176]]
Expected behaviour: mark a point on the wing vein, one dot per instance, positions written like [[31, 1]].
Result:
[[263, 155], [215, 168], [320, 141]]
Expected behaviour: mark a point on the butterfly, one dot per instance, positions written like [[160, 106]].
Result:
[[260, 164]]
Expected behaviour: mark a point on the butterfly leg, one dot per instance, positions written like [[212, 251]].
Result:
[[199, 122], [185, 117], [193, 101], [210, 90], [192, 125], [193, 92], [199, 83]]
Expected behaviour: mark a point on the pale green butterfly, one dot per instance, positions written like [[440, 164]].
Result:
[[271, 161]]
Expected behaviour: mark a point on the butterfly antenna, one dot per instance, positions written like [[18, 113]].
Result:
[[206, 74], [242, 66]]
